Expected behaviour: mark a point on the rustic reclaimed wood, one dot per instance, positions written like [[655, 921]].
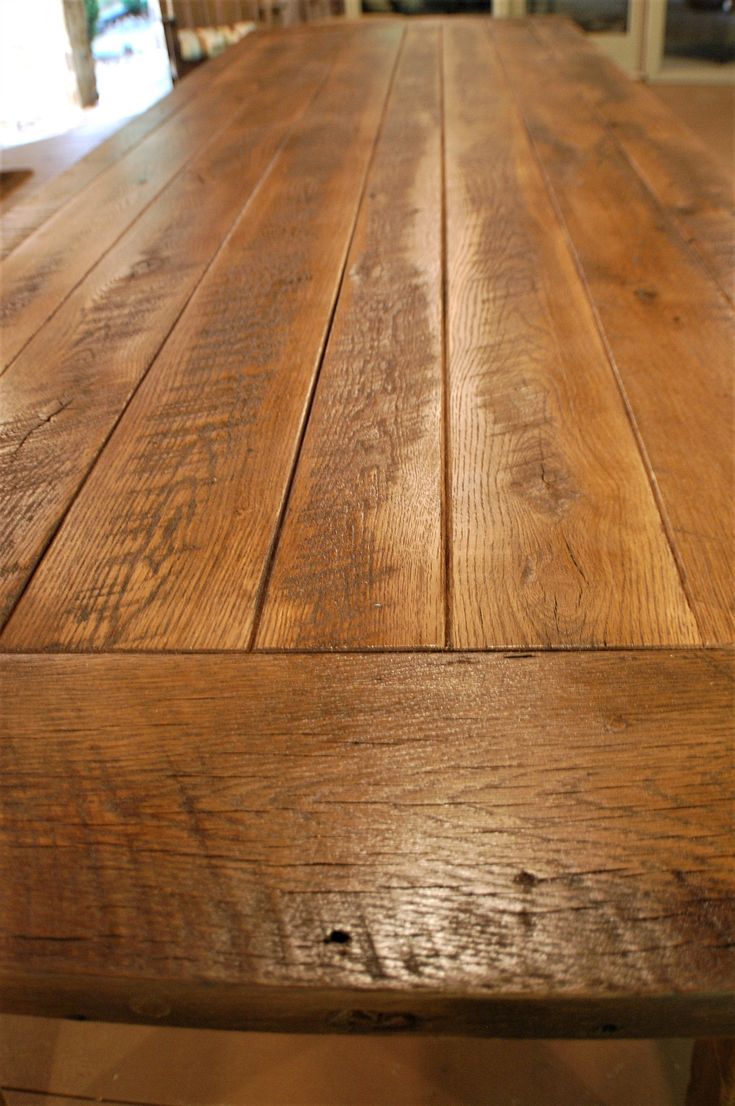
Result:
[[679, 170], [181, 491], [21, 219], [372, 441], [553, 518], [44, 269], [662, 316], [103, 342], [353, 838], [366, 554]]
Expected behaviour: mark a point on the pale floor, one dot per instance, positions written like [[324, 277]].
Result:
[[50, 1063], [76, 1062]]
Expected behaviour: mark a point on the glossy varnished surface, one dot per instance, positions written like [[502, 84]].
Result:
[[410, 342]]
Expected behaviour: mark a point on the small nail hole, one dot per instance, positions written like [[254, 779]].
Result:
[[608, 1028], [338, 937]]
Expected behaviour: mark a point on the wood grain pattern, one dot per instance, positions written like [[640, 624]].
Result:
[[669, 331], [27, 215], [360, 559], [259, 379], [166, 545], [556, 538], [44, 269], [103, 339], [688, 182], [486, 843]]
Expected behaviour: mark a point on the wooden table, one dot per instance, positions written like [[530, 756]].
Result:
[[366, 576]]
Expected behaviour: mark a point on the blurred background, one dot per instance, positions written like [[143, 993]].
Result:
[[70, 64]]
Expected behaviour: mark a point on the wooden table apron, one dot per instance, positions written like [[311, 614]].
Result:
[[366, 561]]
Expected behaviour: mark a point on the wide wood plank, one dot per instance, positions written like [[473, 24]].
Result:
[[681, 172], [42, 271], [555, 534], [25, 216], [103, 339], [669, 330], [538, 844], [360, 559], [167, 544]]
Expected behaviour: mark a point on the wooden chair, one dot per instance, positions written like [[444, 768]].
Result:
[[199, 29]]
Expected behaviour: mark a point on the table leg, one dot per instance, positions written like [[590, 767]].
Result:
[[712, 1076]]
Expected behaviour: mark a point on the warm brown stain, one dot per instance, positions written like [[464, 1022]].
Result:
[[478, 846], [553, 520], [360, 558], [640, 270], [410, 338], [180, 511], [688, 183]]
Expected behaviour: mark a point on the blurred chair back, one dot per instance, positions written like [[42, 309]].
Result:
[[200, 29], [201, 14]]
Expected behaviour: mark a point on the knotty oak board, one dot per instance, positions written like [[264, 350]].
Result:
[[366, 553]]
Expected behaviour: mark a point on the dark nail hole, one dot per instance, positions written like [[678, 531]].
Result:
[[77, 1018], [526, 879], [609, 1028], [338, 937]]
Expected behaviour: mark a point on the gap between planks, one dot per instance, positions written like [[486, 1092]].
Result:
[[507, 42], [214, 95], [262, 591], [510, 652], [614, 370], [240, 215], [446, 421]]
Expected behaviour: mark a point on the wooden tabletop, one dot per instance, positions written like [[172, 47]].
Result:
[[367, 539]]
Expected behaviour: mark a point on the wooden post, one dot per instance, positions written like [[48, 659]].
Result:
[[75, 17], [712, 1076]]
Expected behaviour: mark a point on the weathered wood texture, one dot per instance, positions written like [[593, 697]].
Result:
[[167, 543], [360, 558], [668, 329], [682, 174], [485, 843], [104, 338], [385, 358], [27, 215], [45, 268], [556, 538]]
